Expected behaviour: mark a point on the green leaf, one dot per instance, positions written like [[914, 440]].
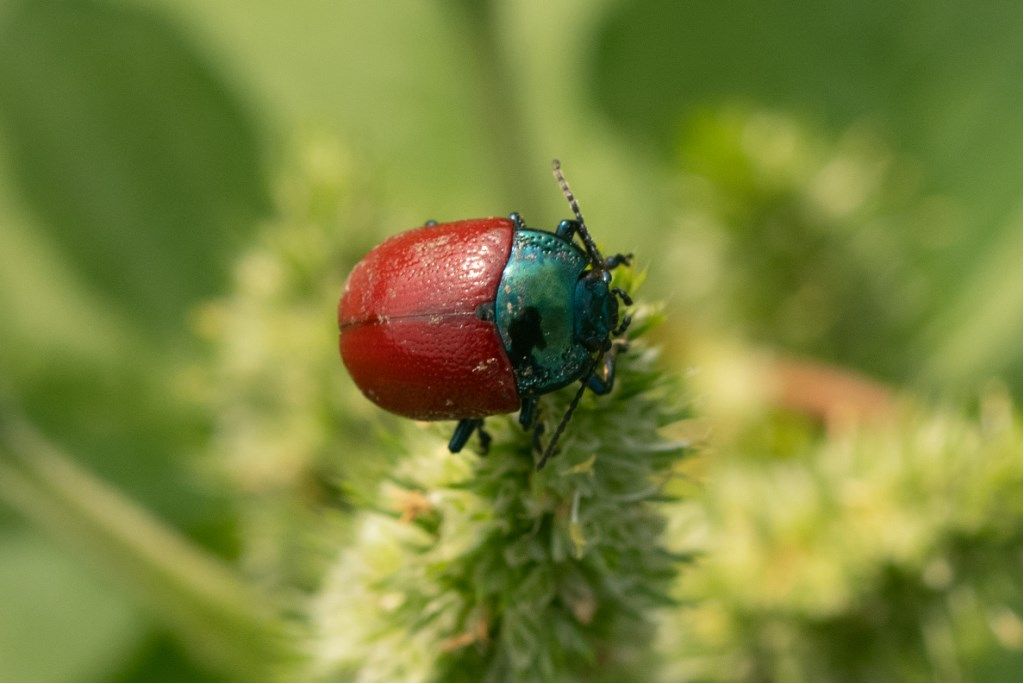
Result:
[[129, 148], [942, 78], [57, 621], [226, 623]]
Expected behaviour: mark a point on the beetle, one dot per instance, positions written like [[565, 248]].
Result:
[[472, 318]]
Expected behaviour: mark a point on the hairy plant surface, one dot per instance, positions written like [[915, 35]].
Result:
[[470, 568]]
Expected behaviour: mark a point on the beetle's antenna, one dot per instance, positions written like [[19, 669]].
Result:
[[568, 414], [595, 254]]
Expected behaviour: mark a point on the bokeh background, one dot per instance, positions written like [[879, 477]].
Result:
[[826, 197]]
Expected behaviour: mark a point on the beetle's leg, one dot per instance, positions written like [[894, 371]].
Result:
[[529, 416], [617, 260], [430, 223], [518, 220], [485, 439], [463, 431], [528, 412], [621, 328], [567, 228], [538, 430], [603, 383]]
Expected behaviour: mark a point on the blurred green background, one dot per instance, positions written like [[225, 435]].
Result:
[[820, 185]]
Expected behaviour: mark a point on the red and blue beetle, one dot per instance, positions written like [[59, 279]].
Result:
[[474, 318]]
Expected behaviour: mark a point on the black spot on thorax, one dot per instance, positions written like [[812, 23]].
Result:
[[527, 335]]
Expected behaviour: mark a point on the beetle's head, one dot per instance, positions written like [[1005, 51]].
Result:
[[595, 310], [595, 302]]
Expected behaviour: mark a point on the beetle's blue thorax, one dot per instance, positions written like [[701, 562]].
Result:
[[546, 314]]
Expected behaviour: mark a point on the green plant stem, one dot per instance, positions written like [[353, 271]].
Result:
[[226, 623], [499, 106]]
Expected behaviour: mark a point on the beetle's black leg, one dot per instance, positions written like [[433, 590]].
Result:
[[430, 223], [621, 328], [538, 430], [518, 220], [566, 229], [528, 412], [463, 431], [569, 227], [603, 383], [617, 260], [529, 416], [485, 439], [626, 299]]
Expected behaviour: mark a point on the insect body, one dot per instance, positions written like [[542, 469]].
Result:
[[474, 318]]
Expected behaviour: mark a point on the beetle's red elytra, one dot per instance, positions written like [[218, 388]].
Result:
[[411, 336]]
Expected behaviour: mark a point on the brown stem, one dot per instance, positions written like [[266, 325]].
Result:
[[836, 396]]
